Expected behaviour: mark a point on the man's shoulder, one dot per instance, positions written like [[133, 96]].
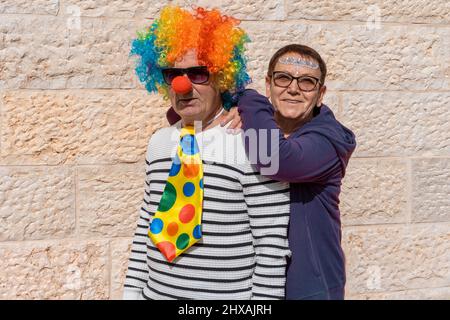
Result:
[[161, 142], [219, 139], [221, 146], [164, 135]]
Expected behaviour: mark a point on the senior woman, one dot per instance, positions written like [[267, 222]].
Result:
[[313, 151], [312, 154]]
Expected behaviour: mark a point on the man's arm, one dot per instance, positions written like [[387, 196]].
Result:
[[268, 208], [308, 158], [137, 273]]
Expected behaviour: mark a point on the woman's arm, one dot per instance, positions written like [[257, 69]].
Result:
[[308, 158]]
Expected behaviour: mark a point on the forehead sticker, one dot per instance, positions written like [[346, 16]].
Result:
[[298, 62]]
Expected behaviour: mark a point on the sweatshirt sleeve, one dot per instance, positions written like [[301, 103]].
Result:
[[137, 273], [268, 208], [307, 158]]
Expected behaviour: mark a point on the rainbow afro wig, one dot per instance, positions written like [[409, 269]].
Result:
[[217, 40]]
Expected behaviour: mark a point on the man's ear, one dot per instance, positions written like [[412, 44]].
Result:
[[268, 87], [322, 91]]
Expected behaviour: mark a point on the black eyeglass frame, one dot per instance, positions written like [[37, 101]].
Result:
[[296, 78]]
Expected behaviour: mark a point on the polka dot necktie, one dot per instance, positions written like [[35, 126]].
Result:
[[177, 222]]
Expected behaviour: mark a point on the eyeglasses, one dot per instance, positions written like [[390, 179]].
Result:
[[305, 83], [197, 75]]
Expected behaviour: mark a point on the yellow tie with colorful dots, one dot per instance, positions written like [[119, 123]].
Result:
[[177, 223]]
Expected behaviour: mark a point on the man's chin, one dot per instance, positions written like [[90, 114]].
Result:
[[189, 116], [189, 111]]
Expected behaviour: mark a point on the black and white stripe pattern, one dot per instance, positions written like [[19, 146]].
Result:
[[242, 254]]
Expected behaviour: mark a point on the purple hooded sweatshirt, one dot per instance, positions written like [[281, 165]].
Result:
[[313, 159]]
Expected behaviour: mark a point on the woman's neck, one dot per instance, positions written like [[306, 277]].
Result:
[[289, 125]]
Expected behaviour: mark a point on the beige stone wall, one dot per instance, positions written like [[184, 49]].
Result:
[[74, 123]]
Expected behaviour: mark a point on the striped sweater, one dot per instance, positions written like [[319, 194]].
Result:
[[243, 251]]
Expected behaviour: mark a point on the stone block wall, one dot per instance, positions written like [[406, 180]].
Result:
[[74, 125]]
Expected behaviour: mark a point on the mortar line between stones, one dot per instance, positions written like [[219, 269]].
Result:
[[62, 241], [76, 202], [139, 163], [138, 21], [329, 90], [396, 224], [396, 291], [309, 21], [363, 23], [119, 165], [390, 91], [110, 280], [28, 14], [409, 190], [130, 238], [398, 157], [1, 118], [59, 8]]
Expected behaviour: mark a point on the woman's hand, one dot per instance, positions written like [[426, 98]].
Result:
[[233, 117]]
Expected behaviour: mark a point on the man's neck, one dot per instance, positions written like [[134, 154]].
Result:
[[208, 122], [213, 120]]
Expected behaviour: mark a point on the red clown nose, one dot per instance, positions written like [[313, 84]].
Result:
[[181, 85]]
